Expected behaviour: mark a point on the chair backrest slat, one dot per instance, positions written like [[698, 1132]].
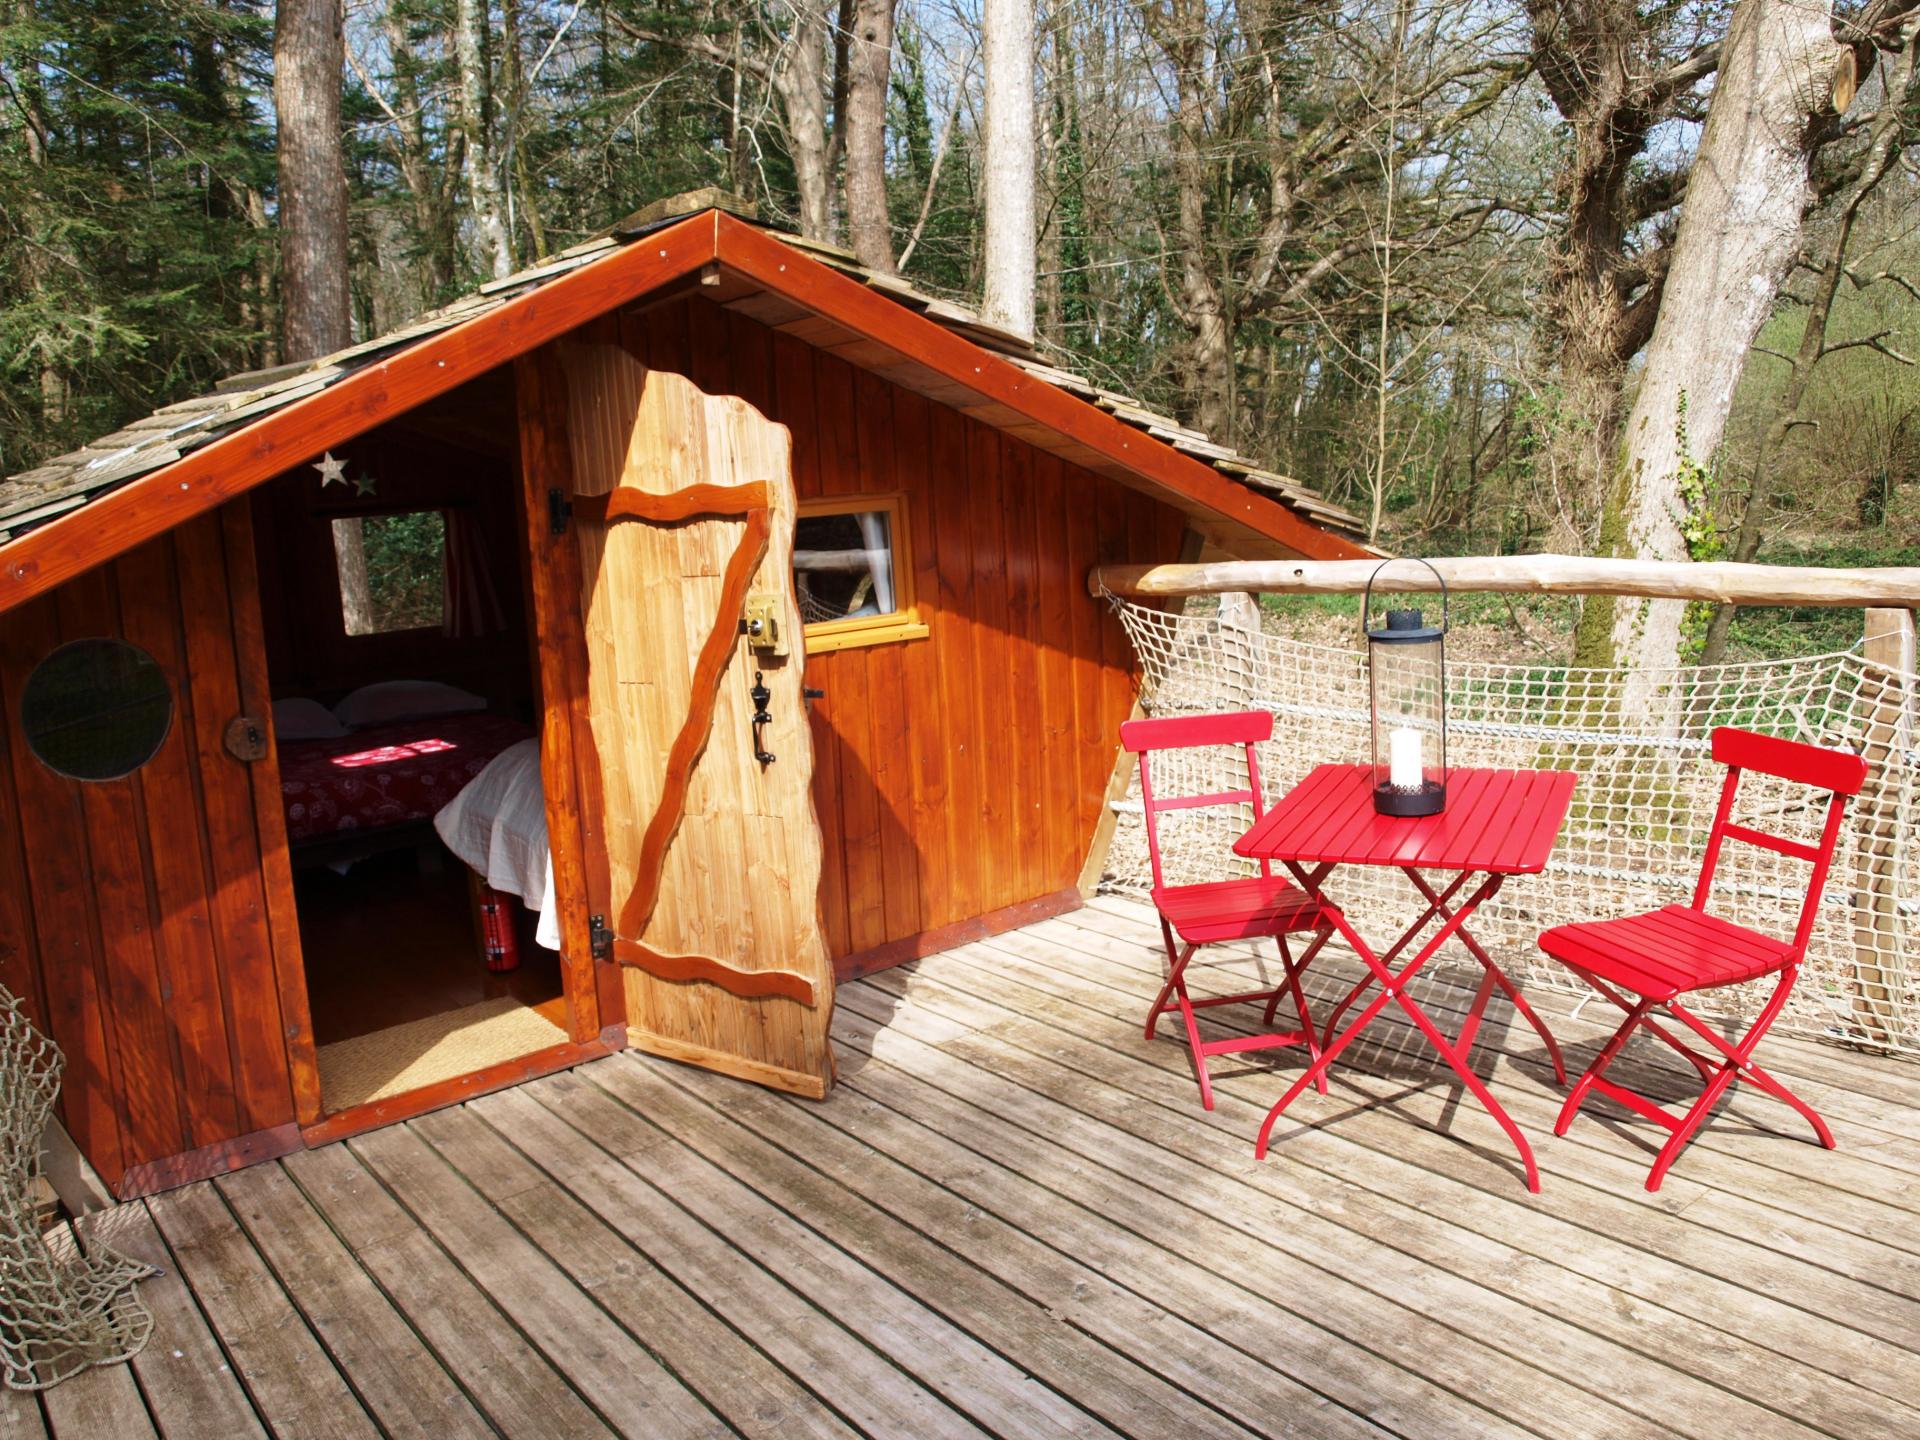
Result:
[[1839, 772], [1197, 802], [1180, 732], [1245, 728], [1775, 843]]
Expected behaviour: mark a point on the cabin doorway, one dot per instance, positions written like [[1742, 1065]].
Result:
[[405, 715]]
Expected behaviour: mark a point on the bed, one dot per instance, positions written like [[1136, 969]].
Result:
[[387, 776], [497, 825]]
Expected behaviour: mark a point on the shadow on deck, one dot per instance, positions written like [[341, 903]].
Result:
[[1013, 1218]]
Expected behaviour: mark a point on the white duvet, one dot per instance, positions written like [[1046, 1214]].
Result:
[[498, 827]]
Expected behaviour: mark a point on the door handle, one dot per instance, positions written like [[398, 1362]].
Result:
[[760, 695], [809, 693]]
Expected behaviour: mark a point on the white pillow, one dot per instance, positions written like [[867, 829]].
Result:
[[393, 700], [302, 719]]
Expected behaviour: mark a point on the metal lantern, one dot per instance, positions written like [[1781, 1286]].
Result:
[[1407, 689]]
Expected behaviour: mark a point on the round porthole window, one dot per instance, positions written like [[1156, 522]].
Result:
[[96, 709]]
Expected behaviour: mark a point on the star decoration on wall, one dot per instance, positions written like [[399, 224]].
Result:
[[365, 484], [332, 471]]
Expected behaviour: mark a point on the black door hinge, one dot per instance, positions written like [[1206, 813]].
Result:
[[559, 512], [600, 938]]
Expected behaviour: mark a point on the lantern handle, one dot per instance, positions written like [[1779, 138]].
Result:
[[1366, 603]]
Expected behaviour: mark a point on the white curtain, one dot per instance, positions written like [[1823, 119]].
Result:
[[873, 535]]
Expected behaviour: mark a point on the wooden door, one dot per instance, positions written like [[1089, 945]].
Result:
[[683, 506]]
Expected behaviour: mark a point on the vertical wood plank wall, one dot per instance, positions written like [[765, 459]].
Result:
[[147, 923], [962, 774]]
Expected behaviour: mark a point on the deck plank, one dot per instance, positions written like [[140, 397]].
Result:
[[1371, 1149], [1439, 1260], [1753, 1149], [505, 1377], [104, 1401], [854, 1379], [1387, 1291], [20, 1417], [1013, 1217], [629, 1389], [736, 1380], [1596, 1187], [289, 1376], [969, 1376], [916, 1233], [183, 1372], [1728, 1186], [1874, 1091], [395, 1376]]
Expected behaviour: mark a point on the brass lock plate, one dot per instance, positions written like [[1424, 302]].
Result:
[[762, 625]]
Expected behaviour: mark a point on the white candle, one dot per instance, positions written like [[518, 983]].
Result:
[[1403, 759]]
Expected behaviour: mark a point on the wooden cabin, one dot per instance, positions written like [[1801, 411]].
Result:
[[609, 659]]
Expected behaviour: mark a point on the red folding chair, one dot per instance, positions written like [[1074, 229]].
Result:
[[1257, 907], [1663, 954]]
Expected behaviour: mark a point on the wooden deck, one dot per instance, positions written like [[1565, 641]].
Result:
[[1013, 1219]]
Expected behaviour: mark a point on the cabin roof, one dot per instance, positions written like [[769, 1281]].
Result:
[[145, 450]]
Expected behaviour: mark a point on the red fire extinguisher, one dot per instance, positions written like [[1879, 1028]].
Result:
[[496, 930]]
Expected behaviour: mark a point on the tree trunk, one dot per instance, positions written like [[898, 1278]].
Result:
[[869, 229], [802, 82], [426, 183], [1614, 73], [1883, 150], [1007, 164], [1739, 235], [356, 588], [472, 104], [309, 50], [1201, 300], [1055, 100]]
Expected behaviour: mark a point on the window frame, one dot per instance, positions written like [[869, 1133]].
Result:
[[364, 513], [903, 622]]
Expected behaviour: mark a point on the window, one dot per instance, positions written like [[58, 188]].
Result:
[[392, 571], [96, 709], [852, 573]]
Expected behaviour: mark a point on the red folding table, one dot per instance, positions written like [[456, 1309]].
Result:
[[1496, 823]]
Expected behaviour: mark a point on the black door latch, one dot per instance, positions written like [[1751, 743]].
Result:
[[760, 695]]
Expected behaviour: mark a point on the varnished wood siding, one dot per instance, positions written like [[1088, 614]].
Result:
[[140, 919], [961, 774]]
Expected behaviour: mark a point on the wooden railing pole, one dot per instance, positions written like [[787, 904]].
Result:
[[1724, 582], [1887, 704]]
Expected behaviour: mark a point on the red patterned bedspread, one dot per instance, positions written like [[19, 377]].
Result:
[[387, 774]]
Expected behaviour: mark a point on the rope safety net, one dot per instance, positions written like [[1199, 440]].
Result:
[[61, 1310], [1634, 837]]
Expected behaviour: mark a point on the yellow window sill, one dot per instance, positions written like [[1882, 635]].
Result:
[[887, 630]]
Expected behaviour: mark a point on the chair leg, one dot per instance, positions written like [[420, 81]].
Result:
[[1196, 1049], [1295, 970], [1176, 969], [1608, 1054], [1780, 1092], [1173, 996], [1736, 1063], [1689, 1126], [1741, 1056]]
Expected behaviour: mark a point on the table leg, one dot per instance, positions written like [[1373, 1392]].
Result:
[[1439, 902], [1435, 906], [1393, 988]]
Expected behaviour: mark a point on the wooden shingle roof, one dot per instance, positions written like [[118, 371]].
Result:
[[58, 487]]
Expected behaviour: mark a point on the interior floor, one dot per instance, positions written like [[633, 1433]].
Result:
[[393, 941], [397, 981]]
